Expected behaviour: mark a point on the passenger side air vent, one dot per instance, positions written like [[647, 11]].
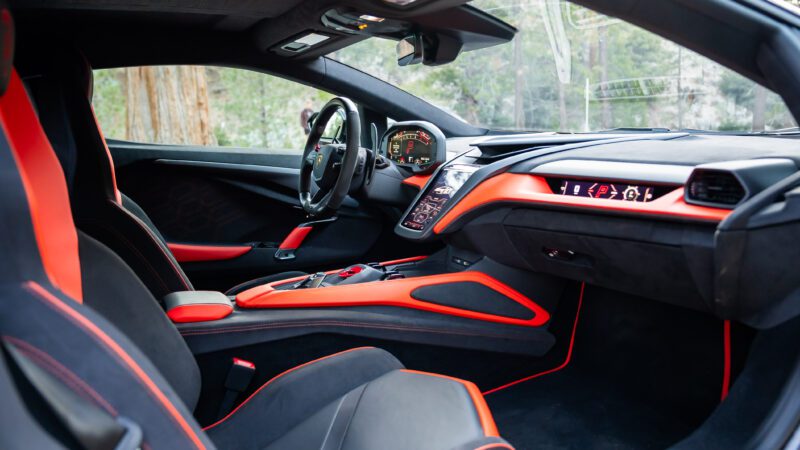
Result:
[[714, 188], [726, 184]]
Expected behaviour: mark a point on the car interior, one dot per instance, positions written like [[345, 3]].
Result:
[[406, 277]]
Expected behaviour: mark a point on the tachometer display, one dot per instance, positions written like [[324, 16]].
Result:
[[411, 146]]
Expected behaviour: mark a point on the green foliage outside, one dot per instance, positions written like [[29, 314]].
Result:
[[654, 83], [634, 79], [247, 109]]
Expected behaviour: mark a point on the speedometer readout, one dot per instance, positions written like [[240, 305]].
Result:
[[411, 147]]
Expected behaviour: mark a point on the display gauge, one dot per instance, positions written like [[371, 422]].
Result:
[[446, 184], [412, 146], [607, 190]]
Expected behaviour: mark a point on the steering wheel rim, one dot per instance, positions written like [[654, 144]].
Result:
[[329, 198]]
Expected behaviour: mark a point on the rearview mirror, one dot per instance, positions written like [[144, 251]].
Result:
[[409, 50]]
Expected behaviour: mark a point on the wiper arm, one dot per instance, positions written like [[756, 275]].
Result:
[[633, 130], [791, 131]]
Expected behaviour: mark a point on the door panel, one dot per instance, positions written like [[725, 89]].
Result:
[[233, 198]]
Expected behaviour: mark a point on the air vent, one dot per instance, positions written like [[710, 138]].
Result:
[[714, 188]]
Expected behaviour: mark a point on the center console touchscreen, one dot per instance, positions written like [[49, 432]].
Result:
[[446, 184]]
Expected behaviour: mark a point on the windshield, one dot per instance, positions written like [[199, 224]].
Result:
[[573, 70]]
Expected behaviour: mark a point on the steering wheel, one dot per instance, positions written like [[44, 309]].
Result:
[[330, 166]]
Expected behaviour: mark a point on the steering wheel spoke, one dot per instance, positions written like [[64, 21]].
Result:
[[309, 159], [320, 195]]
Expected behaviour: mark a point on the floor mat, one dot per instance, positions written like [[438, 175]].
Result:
[[642, 375], [570, 410]]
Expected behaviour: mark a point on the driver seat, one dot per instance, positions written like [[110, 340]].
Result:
[[62, 92], [89, 360]]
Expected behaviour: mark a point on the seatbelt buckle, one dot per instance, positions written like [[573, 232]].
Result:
[[240, 375]]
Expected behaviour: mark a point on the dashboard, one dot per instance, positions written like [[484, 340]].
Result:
[[696, 220]]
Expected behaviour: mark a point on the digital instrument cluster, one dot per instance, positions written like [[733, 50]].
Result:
[[411, 147], [416, 145], [447, 183]]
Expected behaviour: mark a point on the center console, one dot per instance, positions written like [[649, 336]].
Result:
[[444, 299], [468, 294], [358, 273]]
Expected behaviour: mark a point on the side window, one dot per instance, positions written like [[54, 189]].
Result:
[[204, 106]]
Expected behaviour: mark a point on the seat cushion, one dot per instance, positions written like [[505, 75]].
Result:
[[358, 399]]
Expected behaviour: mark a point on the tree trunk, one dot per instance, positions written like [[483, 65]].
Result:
[[603, 54], [562, 108], [168, 105], [519, 84], [759, 108]]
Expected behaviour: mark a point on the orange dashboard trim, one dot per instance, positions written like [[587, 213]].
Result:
[[510, 187], [418, 181], [391, 293]]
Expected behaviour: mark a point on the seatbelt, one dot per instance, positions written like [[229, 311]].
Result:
[[239, 376], [92, 427]]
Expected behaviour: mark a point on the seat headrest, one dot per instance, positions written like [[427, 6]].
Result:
[[6, 46]]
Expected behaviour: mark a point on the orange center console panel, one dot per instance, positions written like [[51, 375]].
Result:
[[468, 294]]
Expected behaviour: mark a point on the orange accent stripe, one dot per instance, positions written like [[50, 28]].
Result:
[[45, 189], [395, 262], [193, 253], [115, 348], [559, 367], [496, 445], [726, 349], [286, 372], [199, 313], [523, 188], [484, 414], [418, 181], [391, 293], [295, 238]]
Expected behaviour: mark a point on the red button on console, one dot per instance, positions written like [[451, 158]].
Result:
[[350, 272]]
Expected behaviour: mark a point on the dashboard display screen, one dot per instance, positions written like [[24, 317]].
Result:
[[411, 146], [610, 191], [447, 183]]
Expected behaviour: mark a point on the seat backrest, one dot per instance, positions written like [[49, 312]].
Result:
[[61, 88], [45, 309]]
